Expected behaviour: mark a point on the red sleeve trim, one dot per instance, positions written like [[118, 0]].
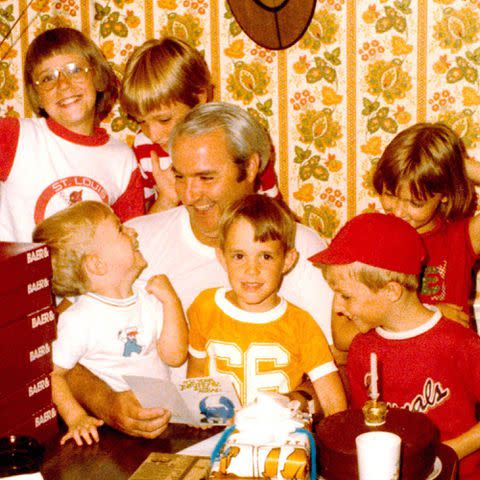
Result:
[[143, 151], [131, 203], [9, 133]]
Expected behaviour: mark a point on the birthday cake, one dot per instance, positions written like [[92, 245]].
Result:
[[268, 440], [337, 456]]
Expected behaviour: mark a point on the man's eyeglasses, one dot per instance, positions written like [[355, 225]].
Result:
[[48, 79]]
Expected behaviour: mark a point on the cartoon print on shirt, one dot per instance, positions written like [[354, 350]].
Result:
[[60, 194], [129, 337], [76, 196]]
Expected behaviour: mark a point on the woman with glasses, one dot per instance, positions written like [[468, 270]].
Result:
[[63, 157]]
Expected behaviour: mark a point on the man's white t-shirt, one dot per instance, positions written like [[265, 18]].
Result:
[[170, 247]]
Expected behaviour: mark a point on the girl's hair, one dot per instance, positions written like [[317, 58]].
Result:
[[375, 278], [63, 40], [244, 135], [69, 234], [161, 72], [429, 158], [270, 218]]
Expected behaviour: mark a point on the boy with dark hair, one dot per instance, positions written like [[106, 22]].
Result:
[[250, 333]]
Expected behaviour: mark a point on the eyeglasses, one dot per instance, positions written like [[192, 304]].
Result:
[[48, 79]]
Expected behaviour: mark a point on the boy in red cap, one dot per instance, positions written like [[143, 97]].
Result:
[[427, 363]]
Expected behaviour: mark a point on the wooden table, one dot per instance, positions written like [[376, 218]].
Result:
[[117, 456]]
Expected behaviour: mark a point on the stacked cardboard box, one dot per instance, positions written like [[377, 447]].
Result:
[[27, 329]]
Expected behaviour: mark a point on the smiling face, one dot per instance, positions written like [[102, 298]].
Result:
[[70, 103], [206, 180], [255, 269], [354, 300], [117, 247], [420, 214], [158, 124]]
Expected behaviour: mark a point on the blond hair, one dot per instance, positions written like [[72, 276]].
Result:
[[59, 41], [376, 278], [430, 159], [270, 218], [69, 234], [162, 72]]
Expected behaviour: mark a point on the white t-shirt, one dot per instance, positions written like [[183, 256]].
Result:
[[51, 168], [112, 337], [170, 247]]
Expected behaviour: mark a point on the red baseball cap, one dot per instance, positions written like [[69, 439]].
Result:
[[379, 240]]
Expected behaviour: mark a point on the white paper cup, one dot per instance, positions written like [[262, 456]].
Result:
[[378, 455]]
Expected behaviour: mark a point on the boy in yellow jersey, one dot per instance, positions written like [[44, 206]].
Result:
[[248, 332]]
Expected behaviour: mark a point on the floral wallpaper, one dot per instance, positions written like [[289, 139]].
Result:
[[363, 71]]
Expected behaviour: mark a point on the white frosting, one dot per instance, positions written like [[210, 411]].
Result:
[[271, 417]]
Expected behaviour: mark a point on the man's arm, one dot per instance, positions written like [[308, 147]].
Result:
[[81, 427], [120, 410]]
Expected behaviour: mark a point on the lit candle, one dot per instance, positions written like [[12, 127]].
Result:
[[373, 377]]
